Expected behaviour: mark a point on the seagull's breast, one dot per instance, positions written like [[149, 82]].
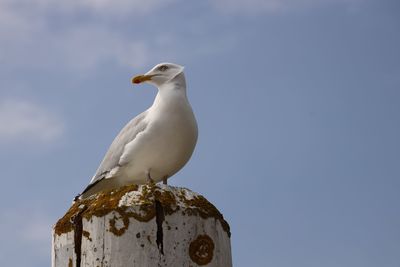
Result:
[[164, 147]]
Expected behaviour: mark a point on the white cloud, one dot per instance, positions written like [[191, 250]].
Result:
[[89, 46], [28, 122], [29, 40], [250, 7], [123, 7], [103, 7], [78, 49]]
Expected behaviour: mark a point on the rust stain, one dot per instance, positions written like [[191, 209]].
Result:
[[70, 262], [201, 250]]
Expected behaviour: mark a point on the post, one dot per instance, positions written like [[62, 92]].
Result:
[[142, 226]]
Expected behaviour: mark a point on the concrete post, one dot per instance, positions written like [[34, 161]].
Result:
[[142, 226]]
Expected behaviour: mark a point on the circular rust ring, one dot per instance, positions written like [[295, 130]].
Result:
[[201, 250]]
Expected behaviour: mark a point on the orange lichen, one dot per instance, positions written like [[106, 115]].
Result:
[[99, 206], [105, 202], [143, 208], [206, 210], [125, 220]]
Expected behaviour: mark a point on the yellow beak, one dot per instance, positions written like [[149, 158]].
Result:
[[141, 78]]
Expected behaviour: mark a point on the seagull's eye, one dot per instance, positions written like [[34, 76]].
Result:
[[163, 68]]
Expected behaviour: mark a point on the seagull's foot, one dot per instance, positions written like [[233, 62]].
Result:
[[150, 180], [164, 180]]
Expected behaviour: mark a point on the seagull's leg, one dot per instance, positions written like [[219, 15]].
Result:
[[149, 179], [164, 180]]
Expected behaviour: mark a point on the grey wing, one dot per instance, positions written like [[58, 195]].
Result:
[[114, 153]]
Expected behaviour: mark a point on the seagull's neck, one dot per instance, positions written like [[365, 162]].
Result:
[[172, 93]]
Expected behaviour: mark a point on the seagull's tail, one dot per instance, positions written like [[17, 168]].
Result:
[[99, 185]]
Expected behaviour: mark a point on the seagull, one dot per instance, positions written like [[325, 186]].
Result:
[[157, 143]]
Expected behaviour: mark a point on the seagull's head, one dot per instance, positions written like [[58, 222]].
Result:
[[161, 74]]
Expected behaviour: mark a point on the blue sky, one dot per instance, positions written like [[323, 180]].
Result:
[[297, 104]]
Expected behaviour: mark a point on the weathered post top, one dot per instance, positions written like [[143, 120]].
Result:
[[147, 225]]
